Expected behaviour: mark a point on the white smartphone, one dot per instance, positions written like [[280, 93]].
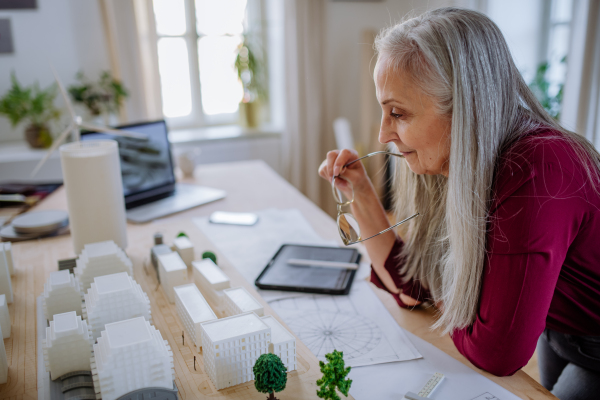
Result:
[[232, 218]]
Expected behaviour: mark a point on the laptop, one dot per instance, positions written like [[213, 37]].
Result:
[[147, 170]]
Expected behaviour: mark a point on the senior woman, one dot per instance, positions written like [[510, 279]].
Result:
[[507, 245]]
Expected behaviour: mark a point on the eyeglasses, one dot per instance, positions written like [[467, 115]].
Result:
[[347, 224]]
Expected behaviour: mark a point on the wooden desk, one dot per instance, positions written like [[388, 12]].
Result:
[[250, 186]]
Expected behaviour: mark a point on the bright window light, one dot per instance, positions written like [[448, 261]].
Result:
[[173, 65], [223, 17], [170, 17]]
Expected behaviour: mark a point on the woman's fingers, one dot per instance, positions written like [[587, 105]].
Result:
[[334, 163]]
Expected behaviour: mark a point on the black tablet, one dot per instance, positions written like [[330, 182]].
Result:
[[284, 273]]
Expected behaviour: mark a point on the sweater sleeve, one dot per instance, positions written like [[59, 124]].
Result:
[[410, 288], [536, 217]]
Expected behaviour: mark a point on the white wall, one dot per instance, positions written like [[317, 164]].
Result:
[[66, 33]]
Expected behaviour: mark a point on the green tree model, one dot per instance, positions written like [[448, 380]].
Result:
[[270, 375], [333, 376]]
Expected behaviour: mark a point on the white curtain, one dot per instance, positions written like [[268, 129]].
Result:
[[307, 136], [581, 101]]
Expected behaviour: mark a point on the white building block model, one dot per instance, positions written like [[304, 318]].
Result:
[[113, 298], [3, 363], [231, 346], [192, 309], [131, 355], [238, 300], [4, 317], [184, 247], [211, 280], [172, 272], [9, 259], [283, 343], [61, 294], [67, 347], [101, 258], [5, 282]]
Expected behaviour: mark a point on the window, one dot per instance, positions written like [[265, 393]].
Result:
[[197, 46]]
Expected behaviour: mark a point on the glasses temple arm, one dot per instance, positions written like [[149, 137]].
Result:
[[373, 154], [386, 230]]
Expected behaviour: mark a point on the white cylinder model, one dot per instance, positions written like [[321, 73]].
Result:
[[92, 178]]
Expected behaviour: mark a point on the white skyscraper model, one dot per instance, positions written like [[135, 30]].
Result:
[[131, 355], [9, 259], [67, 347], [5, 282], [172, 272], [61, 294], [192, 309], [231, 346], [3, 363], [184, 247], [237, 301], [4, 317], [283, 343], [211, 280], [97, 259], [113, 298]]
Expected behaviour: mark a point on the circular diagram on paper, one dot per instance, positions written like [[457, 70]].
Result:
[[324, 331]]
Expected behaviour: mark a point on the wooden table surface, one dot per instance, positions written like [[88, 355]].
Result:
[[250, 186]]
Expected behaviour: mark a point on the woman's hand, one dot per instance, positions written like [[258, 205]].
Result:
[[355, 173]]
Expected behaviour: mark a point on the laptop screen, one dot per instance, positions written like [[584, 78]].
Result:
[[146, 165]]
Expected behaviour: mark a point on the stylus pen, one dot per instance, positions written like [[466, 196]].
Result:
[[319, 263]]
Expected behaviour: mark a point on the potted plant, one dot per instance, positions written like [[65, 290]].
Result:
[[101, 98], [34, 105], [249, 65]]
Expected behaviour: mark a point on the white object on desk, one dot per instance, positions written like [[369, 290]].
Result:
[[211, 280], [427, 389], [323, 264], [283, 343], [97, 259], [67, 347], [172, 272], [9, 257], [231, 346], [5, 282], [192, 309], [185, 249], [131, 355], [239, 301], [3, 362], [40, 222], [61, 294], [4, 318], [113, 298]]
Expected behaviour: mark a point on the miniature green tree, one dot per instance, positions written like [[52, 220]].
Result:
[[334, 373], [270, 375]]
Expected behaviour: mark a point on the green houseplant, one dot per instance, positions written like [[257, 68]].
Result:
[[34, 106], [102, 97], [541, 89], [249, 64]]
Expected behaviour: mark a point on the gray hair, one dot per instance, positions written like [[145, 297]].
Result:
[[460, 58]]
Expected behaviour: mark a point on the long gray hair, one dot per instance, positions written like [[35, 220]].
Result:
[[460, 58]]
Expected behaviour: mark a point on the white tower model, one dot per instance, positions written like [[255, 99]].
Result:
[[9, 259], [283, 343], [131, 355], [99, 259], [185, 249], [211, 280], [192, 309], [172, 272], [231, 346], [5, 282], [3, 363], [61, 294], [114, 298], [67, 347], [4, 318], [237, 301]]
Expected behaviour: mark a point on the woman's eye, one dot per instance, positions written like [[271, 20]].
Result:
[[394, 115]]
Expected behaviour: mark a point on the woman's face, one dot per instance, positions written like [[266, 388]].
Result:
[[411, 121]]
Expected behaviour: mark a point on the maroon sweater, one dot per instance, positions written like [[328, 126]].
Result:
[[542, 266]]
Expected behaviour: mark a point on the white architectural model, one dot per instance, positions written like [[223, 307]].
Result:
[[3, 363], [114, 298], [4, 317], [99, 259], [172, 272], [5, 282], [9, 259], [184, 247], [211, 280], [131, 355], [192, 309], [238, 300], [283, 343], [231, 346], [61, 294], [67, 347]]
